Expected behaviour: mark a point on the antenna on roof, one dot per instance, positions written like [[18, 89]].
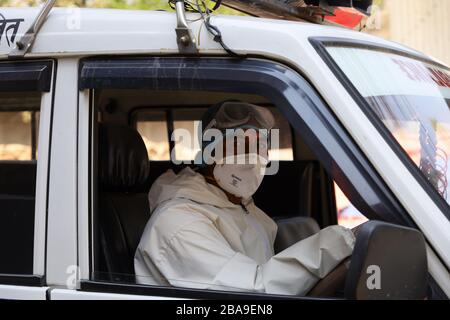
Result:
[[26, 42]]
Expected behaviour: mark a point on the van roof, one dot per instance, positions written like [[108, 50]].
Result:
[[82, 32]]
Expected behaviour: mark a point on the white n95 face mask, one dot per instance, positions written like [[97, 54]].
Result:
[[241, 175]]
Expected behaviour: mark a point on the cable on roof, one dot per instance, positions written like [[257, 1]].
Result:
[[200, 6]]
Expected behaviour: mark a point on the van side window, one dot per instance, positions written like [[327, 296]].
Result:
[[298, 192], [19, 133], [153, 127], [285, 151], [187, 119], [19, 125], [348, 215], [159, 129]]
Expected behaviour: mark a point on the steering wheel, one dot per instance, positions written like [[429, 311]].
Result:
[[332, 283], [335, 280]]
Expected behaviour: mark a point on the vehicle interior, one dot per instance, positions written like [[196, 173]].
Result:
[[19, 125], [303, 206], [301, 197]]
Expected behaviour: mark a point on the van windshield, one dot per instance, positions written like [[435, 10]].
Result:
[[412, 98]]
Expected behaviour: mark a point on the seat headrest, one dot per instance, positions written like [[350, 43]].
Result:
[[123, 160]]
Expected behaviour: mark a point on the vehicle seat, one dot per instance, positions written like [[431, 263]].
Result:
[[17, 204], [292, 230], [388, 262], [123, 204], [296, 199]]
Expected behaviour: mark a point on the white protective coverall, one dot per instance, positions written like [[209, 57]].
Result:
[[197, 238]]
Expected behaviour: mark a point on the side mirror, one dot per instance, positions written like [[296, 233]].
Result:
[[389, 262]]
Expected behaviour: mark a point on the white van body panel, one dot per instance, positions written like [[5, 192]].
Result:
[[41, 183], [84, 185], [23, 293], [79, 32], [62, 233], [65, 294]]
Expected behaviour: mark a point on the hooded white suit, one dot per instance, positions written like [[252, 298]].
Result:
[[197, 238]]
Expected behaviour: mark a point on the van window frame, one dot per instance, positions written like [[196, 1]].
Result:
[[25, 76], [280, 84], [28, 76], [320, 44]]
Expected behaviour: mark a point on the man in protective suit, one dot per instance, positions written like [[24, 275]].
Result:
[[205, 232]]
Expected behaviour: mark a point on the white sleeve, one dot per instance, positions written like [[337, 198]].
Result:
[[198, 256]]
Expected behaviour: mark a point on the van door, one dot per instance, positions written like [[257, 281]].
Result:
[[25, 112], [293, 96]]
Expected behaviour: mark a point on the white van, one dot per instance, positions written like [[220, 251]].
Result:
[[368, 115]]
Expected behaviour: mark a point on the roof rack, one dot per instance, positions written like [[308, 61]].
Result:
[[26, 42], [276, 9], [315, 11]]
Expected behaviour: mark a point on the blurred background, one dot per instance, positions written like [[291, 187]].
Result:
[[116, 4], [422, 25]]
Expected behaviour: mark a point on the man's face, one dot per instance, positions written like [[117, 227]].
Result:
[[241, 166], [244, 142]]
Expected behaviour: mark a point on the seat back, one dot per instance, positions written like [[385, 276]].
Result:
[[292, 230], [17, 206], [123, 203], [288, 193], [388, 262]]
